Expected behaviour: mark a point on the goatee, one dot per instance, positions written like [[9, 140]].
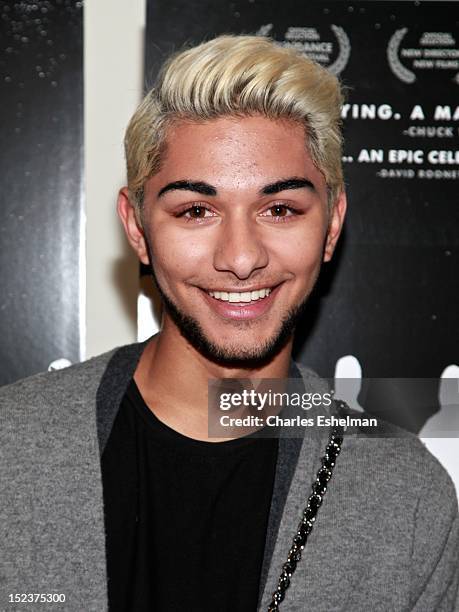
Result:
[[233, 356]]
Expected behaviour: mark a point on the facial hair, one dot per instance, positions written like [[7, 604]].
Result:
[[233, 356]]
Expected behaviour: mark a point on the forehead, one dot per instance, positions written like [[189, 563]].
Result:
[[232, 147]]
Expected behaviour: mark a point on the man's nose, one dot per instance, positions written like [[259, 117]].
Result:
[[240, 248]]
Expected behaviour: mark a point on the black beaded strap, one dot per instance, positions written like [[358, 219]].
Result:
[[319, 488]]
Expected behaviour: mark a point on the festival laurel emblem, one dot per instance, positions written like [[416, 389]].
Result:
[[344, 50], [395, 64], [308, 41], [434, 52]]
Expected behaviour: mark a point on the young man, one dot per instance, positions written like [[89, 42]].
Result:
[[113, 493]]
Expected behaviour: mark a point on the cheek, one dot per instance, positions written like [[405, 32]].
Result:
[[301, 251], [178, 254]]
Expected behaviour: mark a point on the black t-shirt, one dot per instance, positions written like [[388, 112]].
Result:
[[185, 519]]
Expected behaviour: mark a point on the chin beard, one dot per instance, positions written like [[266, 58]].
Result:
[[232, 356]]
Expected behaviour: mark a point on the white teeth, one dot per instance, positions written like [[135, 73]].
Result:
[[245, 296]]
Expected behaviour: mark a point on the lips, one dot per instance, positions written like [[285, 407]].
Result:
[[243, 305]]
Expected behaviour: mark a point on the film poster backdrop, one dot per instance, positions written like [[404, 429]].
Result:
[[41, 127], [387, 304]]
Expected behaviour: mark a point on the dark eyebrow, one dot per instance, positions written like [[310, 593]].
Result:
[[291, 183], [209, 190], [198, 186]]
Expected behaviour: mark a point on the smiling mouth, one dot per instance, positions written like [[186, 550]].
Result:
[[241, 305], [240, 296]]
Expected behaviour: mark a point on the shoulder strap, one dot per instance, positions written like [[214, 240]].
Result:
[[287, 461]]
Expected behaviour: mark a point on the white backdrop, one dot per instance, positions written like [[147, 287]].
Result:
[[113, 80]]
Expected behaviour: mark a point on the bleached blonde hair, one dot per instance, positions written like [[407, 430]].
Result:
[[237, 76]]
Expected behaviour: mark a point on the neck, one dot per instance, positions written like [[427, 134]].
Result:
[[173, 377]]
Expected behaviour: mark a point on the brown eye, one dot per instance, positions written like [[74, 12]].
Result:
[[278, 211], [197, 212]]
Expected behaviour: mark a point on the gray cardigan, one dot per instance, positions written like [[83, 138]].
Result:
[[386, 537]]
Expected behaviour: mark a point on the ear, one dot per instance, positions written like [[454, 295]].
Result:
[[132, 227], [335, 225]]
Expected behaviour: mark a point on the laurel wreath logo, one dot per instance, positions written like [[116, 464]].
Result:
[[344, 50], [343, 41], [395, 64]]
